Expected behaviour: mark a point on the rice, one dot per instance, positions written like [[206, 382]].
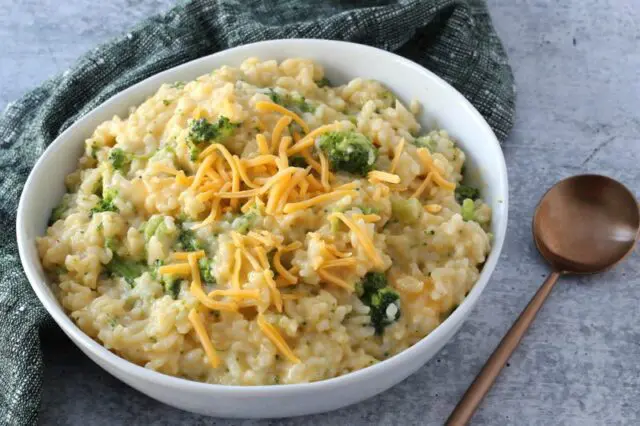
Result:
[[132, 204]]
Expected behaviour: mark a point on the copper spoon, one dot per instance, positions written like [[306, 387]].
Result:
[[583, 225]]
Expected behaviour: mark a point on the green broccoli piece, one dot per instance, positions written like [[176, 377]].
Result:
[[205, 265], [194, 151], [300, 103], [296, 102], [119, 159], [388, 97], [172, 286], [349, 151], [406, 210], [151, 226], [111, 243], [275, 97], [98, 188], [106, 204], [369, 210], [188, 241], [202, 130], [94, 150], [243, 223], [298, 161], [426, 142], [127, 269], [323, 82], [465, 191], [383, 301], [370, 283], [177, 85], [170, 283], [468, 209], [58, 212]]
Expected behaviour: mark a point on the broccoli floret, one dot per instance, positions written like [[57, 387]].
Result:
[[300, 103], [58, 212], [243, 223], [369, 210], [385, 308], [149, 228], [111, 243], [119, 159], [349, 151], [465, 191], [468, 209], [370, 283], [298, 161], [323, 82], [94, 150], [296, 102], [172, 287], [406, 210], [383, 301], [177, 85], [188, 241], [194, 151], [127, 269], [426, 142], [170, 283], [275, 97], [106, 204], [388, 97], [202, 130], [205, 265]]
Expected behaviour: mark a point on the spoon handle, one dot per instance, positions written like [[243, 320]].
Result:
[[483, 381]]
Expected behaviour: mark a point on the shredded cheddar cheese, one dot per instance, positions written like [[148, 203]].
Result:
[[277, 132], [203, 336], [309, 140], [277, 340], [333, 279], [180, 269], [427, 161], [364, 239], [282, 151], [286, 275], [379, 176], [337, 263], [263, 146], [396, 156], [324, 171], [263, 106], [425, 183], [239, 294], [184, 255], [323, 198], [433, 208], [237, 265]]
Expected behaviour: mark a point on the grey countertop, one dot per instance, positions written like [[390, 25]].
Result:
[[576, 66]]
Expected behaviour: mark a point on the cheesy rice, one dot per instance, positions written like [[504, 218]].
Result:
[[259, 226]]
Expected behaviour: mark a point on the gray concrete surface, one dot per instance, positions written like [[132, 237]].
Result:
[[576, 64]]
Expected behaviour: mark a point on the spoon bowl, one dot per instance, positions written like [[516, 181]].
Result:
[[586, 224]]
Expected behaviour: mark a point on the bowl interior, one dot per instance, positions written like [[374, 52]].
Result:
[[442, 107]]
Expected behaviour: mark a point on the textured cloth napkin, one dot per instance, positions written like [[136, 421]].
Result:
[[453, 38]]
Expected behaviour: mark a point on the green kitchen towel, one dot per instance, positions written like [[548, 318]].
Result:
[[453, 38]]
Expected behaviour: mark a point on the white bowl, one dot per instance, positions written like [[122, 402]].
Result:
[[442, 105]]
